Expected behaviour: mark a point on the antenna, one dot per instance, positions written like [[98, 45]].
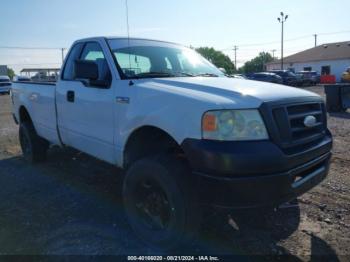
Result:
[[128, 30]]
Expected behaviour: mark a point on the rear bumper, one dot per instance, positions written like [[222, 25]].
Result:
[[254, 174]]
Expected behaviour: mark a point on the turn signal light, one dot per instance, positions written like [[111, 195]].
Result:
[[209, 123]]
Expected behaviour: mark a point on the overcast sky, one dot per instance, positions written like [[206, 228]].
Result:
[[251, 25]]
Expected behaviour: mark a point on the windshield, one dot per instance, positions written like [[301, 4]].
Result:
[[146, 59]]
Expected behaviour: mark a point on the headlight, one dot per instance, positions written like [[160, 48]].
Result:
[[233, 125]]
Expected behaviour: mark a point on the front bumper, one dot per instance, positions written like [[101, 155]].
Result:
[[254, 174]]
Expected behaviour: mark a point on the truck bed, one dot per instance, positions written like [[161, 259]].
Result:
[[38, 99]]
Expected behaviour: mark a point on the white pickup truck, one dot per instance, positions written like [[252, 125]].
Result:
[[186, 135]]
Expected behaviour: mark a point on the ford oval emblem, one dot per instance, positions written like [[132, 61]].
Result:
[[310, 121]]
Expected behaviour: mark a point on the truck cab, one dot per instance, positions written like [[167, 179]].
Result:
[[186, 135]]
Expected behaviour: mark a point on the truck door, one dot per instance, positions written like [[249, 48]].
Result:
[[86, 112]]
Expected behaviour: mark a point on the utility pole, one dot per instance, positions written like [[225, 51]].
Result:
[[273, 53], [282, 20], [235, 49], [62, 51], [315, 35]]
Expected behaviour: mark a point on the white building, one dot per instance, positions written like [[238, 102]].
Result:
[[329, 59]]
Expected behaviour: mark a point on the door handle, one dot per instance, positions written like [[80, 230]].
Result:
[[70, 96]]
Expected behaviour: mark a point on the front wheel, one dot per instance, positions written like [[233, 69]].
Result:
[[34, 148], [160, 202]]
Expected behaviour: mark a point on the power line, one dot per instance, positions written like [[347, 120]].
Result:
[[61, 49], [335, 33], [287, 40], [39, 64], [227, 49], [31, 48]]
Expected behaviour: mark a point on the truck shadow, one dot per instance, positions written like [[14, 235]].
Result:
[[72, 205]]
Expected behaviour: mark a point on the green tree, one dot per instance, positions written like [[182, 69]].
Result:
[[257, 64], [10, 73], [218, 58]]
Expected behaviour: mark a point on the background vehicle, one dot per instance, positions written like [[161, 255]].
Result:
[[5, 85], [346, 76], [266, 77], [43, 76], [186, 135], [22, 79], [307, 78], [239, 76], [288, 77]]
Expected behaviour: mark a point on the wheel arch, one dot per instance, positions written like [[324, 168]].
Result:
[[146, 141], [24, 115]]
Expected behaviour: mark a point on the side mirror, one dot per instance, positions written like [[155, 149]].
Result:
[[85, 70], [88, 73]]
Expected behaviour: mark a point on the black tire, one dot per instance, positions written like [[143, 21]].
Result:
[[34, 148], [179, 219]]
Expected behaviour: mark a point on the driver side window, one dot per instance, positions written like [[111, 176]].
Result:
[[68, 73], [93, 52]]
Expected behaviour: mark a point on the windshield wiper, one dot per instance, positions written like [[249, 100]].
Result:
[[207, 75], [175, 74], [163, 74], [154, 74], [185, 74]]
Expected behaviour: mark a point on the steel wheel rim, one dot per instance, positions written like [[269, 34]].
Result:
[[152, 206]]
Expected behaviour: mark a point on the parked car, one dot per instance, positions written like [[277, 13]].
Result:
[[288, 77], [5, 85], [239, 76], [266, 77], [22, 79], [346, 76], [307, 78], [186, 135]]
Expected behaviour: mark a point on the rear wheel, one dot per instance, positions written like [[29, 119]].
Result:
[[160, 202], [34, 148]]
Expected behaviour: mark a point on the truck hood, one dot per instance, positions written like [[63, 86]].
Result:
[[226, 91]]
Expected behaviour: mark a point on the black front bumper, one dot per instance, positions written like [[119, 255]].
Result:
[[255, 174]]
